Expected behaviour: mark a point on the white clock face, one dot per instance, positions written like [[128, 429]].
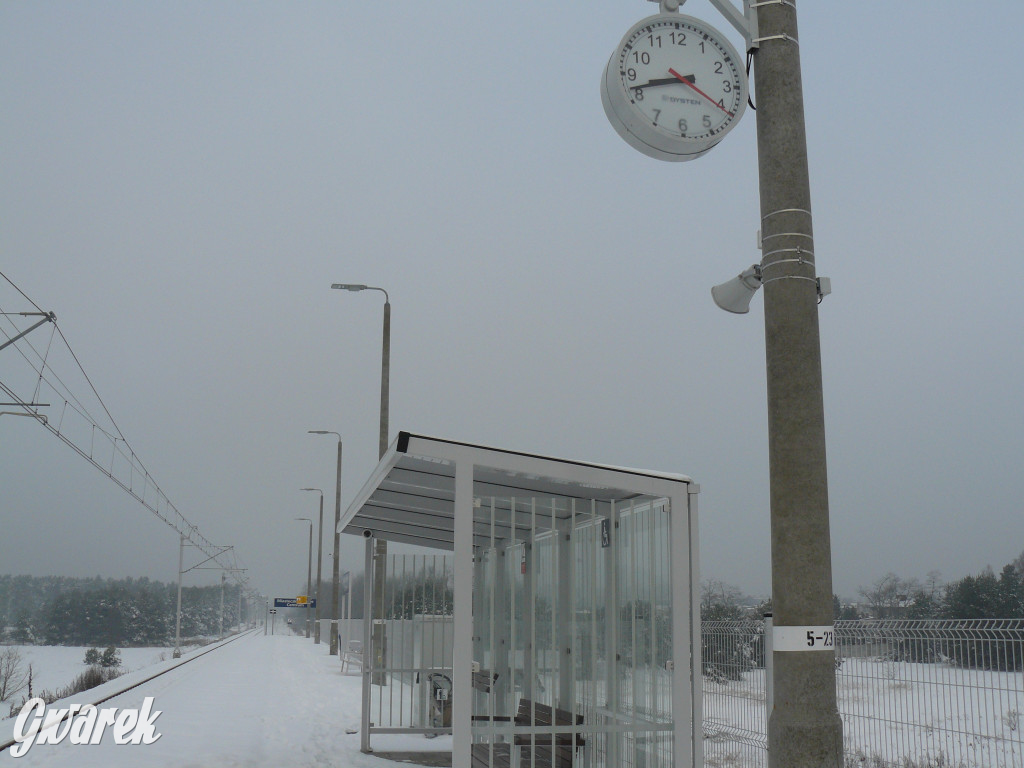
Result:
[[676, 85]]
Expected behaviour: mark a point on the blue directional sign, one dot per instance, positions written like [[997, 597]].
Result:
[[294, 602]]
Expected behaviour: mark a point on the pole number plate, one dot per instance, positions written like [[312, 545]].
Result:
[[803, 638]]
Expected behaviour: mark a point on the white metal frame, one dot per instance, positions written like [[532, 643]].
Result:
[[428, 503]]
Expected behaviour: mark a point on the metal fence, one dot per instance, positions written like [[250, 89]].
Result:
[[913, 694]]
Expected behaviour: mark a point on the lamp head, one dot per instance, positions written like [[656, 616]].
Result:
[[349, 287], [735, 295]]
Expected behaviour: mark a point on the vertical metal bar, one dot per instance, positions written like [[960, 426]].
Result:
[[696, 709], [651, 563], [573, 609], [612, 614], [634, 597], [492, 663], [404, 623], [437, 659], [769, 668], [390, 678], [593, 552], [532, 568]]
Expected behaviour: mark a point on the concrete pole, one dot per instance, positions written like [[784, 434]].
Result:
[[309, 575], [319, 566], [804, 729], [385, 378], [380, 565], [223, 576], [177, 621], [335, 576]]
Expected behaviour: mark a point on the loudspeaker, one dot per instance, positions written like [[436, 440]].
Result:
[[735, 295]]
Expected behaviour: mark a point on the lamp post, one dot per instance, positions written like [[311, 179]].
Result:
[[380, 555], [309, 569], [319, 563], [385, 364], [335, 584]]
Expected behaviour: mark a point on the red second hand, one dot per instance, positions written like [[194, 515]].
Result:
[[684, 81]]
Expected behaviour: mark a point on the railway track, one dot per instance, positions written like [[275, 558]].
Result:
[[107, 696]]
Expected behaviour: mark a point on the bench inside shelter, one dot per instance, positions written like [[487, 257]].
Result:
[[536, 750]]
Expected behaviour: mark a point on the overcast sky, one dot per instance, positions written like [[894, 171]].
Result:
[[181, 183]]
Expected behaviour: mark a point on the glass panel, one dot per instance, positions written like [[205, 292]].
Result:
[[416, 668], [572, 633], [642, 683]]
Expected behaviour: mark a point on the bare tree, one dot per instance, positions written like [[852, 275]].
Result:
[[888, 594], [13, 676], [719, 600]]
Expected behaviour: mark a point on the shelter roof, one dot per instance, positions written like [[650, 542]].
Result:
[[410, 496]]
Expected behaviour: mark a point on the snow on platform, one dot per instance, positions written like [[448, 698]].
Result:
[[260, 702]]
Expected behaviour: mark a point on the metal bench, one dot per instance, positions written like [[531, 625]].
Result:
[[541, 750]]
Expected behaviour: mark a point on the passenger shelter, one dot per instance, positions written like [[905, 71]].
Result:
[[566, 592]]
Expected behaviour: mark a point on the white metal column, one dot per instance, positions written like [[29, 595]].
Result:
[[688, 749], [367, 660], [462, 672]]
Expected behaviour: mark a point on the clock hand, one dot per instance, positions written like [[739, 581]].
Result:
[[689, 82], [665, 81]]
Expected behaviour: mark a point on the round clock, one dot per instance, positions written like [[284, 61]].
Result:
[[674, 87]]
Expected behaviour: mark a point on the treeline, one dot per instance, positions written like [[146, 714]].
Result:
[[984, 596], [54, 610]]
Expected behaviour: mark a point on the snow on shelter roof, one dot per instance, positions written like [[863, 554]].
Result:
[[410, 496]]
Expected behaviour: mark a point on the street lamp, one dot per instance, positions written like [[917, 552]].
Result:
[[337, 543], [377, 607], [309, 569], [319, 562], [385, 365]]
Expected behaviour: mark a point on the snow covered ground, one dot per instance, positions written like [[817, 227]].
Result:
[[259, 702], [55, 666]]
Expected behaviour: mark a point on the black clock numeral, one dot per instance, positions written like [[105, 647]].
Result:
[[718, 68], [641, 57], [727, 86], [654, 41], [631, 74], [638, 94], [683, 127], [657, 114], [707, 121], [678, 38]]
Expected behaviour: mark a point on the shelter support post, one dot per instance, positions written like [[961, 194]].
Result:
[[364, 731], [462, 671]]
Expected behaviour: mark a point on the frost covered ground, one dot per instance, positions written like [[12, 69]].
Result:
[[259, 702]]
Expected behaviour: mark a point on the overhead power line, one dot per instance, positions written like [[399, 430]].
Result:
[[103, 445]]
